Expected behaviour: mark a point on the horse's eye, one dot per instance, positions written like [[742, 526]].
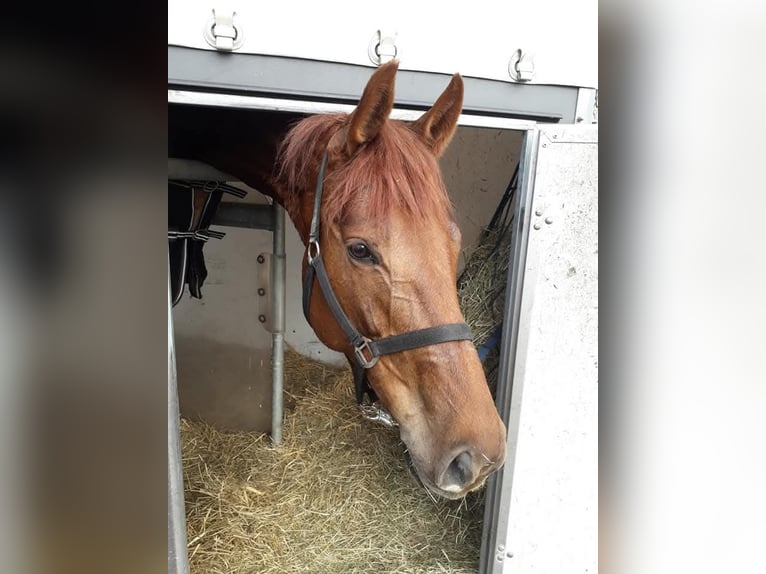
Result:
[[360, 251]]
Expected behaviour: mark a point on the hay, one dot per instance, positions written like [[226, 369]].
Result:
[[481, 286], [481, 293], [336, 496]]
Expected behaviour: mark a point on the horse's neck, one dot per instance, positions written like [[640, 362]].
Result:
[[253, 164], [243, 144]]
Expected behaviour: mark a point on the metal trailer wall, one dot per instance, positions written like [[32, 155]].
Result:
[[558, 38], [545, 500], [223, 351]]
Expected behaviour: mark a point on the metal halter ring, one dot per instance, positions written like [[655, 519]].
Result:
[[377, 414], [315, 244], [359, 352]]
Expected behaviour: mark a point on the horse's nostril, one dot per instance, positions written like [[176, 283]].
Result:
[[458, 474]]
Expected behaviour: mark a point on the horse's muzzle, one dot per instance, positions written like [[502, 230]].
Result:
[[466, 471]]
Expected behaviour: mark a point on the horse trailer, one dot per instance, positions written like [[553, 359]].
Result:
[[528, 125]]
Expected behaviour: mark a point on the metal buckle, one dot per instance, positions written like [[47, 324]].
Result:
[[313, 243], [377, 414], [359, 352]]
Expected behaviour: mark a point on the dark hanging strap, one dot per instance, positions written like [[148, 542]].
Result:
[[308, 281], [361, 386]]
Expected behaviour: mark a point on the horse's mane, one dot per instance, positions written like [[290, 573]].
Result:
[[393, 171]]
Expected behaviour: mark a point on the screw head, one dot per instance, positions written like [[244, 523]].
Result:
[[260, 259], [261, 291], [262, 318]]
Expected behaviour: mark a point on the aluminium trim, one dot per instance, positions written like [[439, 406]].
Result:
[[178, 562], [512, 357], [212, 99]]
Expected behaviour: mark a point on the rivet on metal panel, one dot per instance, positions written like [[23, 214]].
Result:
[[549, 220], [262, 318], [536, 226], [260, 259], [509, 554], [555, 136], [545, 145], [538, 212], [500, 548], [261, 291]]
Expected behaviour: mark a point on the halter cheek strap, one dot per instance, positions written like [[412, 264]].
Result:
[[366, 351]]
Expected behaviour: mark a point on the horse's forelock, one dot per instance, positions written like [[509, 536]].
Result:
[[393, 171]]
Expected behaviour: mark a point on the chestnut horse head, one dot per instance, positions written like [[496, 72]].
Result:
[[390, 246]]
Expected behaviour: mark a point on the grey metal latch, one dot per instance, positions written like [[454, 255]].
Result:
[[521, 67], [382, 47], [221, 32]]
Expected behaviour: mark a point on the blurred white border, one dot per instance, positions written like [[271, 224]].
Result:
[[693, 458]]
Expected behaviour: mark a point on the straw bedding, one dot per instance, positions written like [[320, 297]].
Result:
[[336, 496]]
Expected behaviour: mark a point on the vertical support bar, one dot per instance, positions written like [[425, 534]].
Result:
[[178, 562], [513, 350], [278, 313]]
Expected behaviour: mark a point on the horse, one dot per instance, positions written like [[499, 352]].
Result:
[[366, 196]]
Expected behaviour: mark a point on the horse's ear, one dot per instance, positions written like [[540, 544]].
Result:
[[437, 126], [374, 107]]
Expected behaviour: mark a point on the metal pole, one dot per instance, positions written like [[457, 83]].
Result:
[[178, 562], [278, 332]]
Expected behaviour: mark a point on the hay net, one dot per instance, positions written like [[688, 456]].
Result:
[[482, 284]]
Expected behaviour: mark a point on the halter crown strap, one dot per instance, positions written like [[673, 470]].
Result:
[[366, 351], [314, 230], [313, 242]]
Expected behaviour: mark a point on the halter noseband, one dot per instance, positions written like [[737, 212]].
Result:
[[366, 351]]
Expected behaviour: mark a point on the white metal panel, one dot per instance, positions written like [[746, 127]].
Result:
[[553, 517], [223, 350], [561, 36]]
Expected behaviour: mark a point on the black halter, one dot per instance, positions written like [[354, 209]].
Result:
[[366, 351]]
